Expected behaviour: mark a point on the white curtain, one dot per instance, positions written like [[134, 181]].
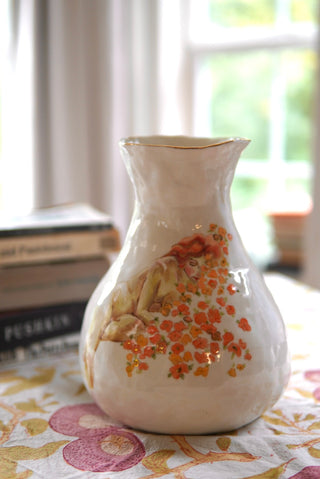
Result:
[[92, 80]]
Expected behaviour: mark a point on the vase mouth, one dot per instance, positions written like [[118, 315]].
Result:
[[180, 142]]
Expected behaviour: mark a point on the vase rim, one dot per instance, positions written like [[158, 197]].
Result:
[[180, 142]]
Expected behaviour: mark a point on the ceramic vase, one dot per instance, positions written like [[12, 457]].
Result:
[[182, 335]]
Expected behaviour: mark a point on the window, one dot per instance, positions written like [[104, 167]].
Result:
[[253, 70]]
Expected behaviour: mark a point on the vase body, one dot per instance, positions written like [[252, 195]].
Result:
[[182, 336]]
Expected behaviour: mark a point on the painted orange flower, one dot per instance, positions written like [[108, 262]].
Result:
[[200, 343], [148, 351], [221, 301], [174, 336], [216, 336], [206, 291], [181, 288], [201, 357], [195, 331], [202, 305], [201, 371], [235, 349], [200, 317], [241, 366], [142, 340], [232, 289], [232, 372], [186, 298], [214, 316], [247, 356], [187, 356], [202, 282], [212, 273], [184, 309], [152, 329], [177, 348], [178, 370], [155, 338], [186, 338], [180, 326], [161, 347], [143, 366], [128, 344], [136, 349], [166, 325], [129, 370], [227, 338], [175, 358], [214, 348], [230, 309], [243, 324], [220, 290], [209, 329], [192, 288], [212, 283]]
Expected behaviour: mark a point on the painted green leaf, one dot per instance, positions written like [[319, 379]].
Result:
[[29, 406], [23, 453], [223, 443], [278, 412], [309, 417], [314, 452], [8, 470], [44, 376], [275, 421], [157, 462], [314, 425], [306, 394], [273, 473], [35, 426], [81, 390]]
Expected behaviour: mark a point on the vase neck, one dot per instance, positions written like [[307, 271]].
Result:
[[168, 176]]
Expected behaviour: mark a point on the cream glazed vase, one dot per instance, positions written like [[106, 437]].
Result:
[[182, 336]]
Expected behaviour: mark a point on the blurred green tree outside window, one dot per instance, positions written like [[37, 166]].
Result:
[[254, 71]]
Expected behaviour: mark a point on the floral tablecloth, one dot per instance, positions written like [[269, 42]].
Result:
[[49, 427]]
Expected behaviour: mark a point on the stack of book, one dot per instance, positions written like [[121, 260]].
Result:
[[50, 263], [289, 232]]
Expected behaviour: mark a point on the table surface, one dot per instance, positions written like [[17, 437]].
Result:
[[49, 425]]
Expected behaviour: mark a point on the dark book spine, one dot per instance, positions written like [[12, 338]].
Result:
[[21, 328]]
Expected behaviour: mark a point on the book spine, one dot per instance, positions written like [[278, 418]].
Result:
[[40, 285], [54, 346], [41, 248], [24, 327]]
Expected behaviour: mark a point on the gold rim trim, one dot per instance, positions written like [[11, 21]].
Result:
[[130, 142]]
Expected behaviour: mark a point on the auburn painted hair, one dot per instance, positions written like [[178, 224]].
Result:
[[195, 246]]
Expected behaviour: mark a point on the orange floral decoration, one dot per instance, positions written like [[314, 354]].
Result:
[[188, 329]]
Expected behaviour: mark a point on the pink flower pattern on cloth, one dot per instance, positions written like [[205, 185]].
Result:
[[100, 447], [314, 377]]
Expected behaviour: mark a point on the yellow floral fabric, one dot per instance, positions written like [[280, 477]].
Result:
[[49, 426]]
